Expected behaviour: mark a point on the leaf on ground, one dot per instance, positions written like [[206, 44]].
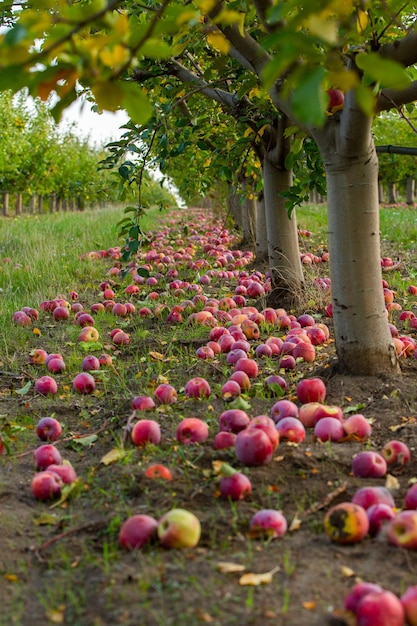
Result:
[[67, 492], [11, 578], [221, 468], [253, 580], [46, 519], [309, 605], [87, 441], [113, 455], [226, 567], [295, 524], [391, 482], [56, 615], [354, 408], [347, 571], [23, 390]]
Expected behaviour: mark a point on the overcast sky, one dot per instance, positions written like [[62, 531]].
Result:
[[100, 128]]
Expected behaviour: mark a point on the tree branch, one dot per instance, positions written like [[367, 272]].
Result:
[[393, 98], [403, 50]]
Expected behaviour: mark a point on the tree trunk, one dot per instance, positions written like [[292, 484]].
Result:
[[6, 200], [392, 193], [283, 250], [234, 208], [19, 204], [261, 242], [248, 220], [32, 204], [381, 193], [40, 204], [363, 340], [409, 190], [52, 203]]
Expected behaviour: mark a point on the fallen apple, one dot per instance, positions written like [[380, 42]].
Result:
[[236, 486], [402, 530], [268, 523], [137, 531], [48, 429], [346, 523], [369, 464], [179, 528]]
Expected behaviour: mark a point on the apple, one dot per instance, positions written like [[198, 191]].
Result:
[[61, 313], [46, 455], [409, 602], [236, 486], [233, 420], [253, 447], [263, 350], [402, 530], [146, 431], [275, 385], [367, 496], [283, 408], [305, 351], [179, 528], [84, 383], [143, 403], [46, 485], [136, 531], [165, 394], [105, 360], [242, 379], [231, 389], [121, 338], [357, 425], [378, 516], [336, 100], [37, 356], [223, 440], [396, 452], [97, 307], [356, 594], [119, 310], [158, 471], [291, 429], [311, 390], [46, 385], [329, 429], [380, 608], [191, 430], [48, 429], [197, 388], [89, 333], [326, 410], [56, 365], [265, 423], [247, 365], [369, 464], [268, 523], [84, 319], [306, 413], [410, 500], [205, 353], [90, 363], [65, 471], [346, 523], [234, 355]]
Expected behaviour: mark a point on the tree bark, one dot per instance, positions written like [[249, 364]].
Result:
[[392, 193], [363, 340], [6, 200], [261, 243], [248, 219], [409, 190], [19, 204], [283, 250]]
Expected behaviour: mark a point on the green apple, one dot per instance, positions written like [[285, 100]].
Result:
[[179, 528]]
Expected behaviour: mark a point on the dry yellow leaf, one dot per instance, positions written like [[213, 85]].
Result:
[[11, 578], [226, 567], [309, 605], [156, 355], [114, 455], [347, 571], [295, 524], [391, 482], [56, 616], [253, 580]]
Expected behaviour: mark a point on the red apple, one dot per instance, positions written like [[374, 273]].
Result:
[[137, 531], [46, 385], [143, 403], [158, 471], [192, 430], [275, 385], [197, 388], [90, 363], [409, 602], [268, 523], [358, 426], [48, 429], [84, 383], [56, 365], [291, 429], [121, 338], [378, 516], [165, 394], [356, 594], [336, 100], [37, 356], [46, 455], [223, 440], [265, 423], [402, 530], [46, 485], [326, 410], [253, 447], [61, 313], [283, 408], [396, 452], [242, 378], [306, 413], [236, 486], [380, 608], [410, 500], [231, 389], [369, 464], [249, 366], [65, 471], [179, 528], [311, 390], [367, 496], [146, 431], [329, 429], [233, 420], [84, 319]]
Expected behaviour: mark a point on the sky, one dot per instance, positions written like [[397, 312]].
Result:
[[99, 128]]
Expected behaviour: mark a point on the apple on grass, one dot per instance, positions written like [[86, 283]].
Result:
[[396, 452], [137, 531], [46, 455], [165, 394], [283, 408], [253, 447], [46, 485], [357, 426], [410, 500], [268, 523], [89, 333], [233, 420], [356, 594], [179, 528], [329, 429], [65, 471], [223, 440], [143, 403], [46, 385], [146, 431], [197, 388], [48, 429], [369, 464], [291, 429], [311, 390], [90, 363], [191, 430], [157, 470], [236, 486], [369, 495], [379, 515], [84, 383]]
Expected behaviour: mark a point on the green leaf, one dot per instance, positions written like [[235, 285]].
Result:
[[156, 49], [386, 72], [23, 391], [366, 99], [309, 99], [86, 441], [136, 103], [15, 35], [91, 346], [354, 408]]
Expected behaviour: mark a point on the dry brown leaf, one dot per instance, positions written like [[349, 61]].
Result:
[[112, 456], [396, 427], [347, 571], [156, 355], [11, 578], [309, 605], [56, 616], [391, 482], [226, 567], [253, 580], [295, 524]]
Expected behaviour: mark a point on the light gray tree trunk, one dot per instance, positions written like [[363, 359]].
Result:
[[6, 200], [363, 340], [19, 204], [248, 212], [261, 243], [283, 250], [392, 193]]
